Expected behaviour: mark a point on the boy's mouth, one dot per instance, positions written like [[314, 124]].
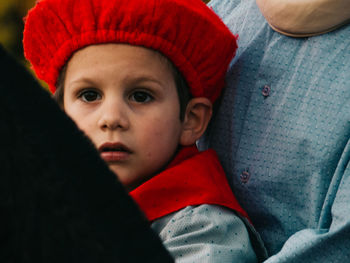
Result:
[[114, 152]]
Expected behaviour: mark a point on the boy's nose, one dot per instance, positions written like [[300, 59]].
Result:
[[113, 116]]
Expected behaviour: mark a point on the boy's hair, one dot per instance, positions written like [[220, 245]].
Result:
[[188, 33], [182, 88]]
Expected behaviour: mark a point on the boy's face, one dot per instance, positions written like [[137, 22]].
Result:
[[125, 99]]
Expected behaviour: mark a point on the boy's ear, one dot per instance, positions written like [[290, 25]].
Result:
[[197, 117]]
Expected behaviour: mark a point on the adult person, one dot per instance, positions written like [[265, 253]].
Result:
[[282, 132]]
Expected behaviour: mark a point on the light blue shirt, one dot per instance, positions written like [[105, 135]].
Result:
[[282, 134], [205, 234]]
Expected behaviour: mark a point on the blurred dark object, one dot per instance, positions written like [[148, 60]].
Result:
[[59, 202]]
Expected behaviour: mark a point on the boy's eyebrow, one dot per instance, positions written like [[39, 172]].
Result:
[[142, 78], [82, 80], [130, 79]]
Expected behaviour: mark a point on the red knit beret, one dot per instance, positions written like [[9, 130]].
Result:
[[187, 32]]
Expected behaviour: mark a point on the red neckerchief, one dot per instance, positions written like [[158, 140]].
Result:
[[192, 178]]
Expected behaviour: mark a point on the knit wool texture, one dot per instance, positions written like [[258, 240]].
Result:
[[188, 33]]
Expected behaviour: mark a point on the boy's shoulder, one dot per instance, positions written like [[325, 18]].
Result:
[[208, 233]]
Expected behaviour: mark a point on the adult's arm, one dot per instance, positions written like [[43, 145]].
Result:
[[282, 133]]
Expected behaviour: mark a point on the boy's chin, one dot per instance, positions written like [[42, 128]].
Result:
[[126, 178]]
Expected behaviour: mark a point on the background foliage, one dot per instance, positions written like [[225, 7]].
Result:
[[11, 24]]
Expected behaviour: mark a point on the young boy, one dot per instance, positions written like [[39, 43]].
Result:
[[139, 78]]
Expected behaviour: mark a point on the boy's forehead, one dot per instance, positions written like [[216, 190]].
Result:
[[132, 63], [136, 50]]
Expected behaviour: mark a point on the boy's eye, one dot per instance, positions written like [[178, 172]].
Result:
[[141, 96], [89, 95]]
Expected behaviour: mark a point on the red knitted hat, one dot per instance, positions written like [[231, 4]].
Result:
[[187, 32]]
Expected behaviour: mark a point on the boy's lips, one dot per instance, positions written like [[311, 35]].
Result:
[[114, 152]]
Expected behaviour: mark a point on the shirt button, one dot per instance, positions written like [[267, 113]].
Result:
[[266, 91], [245, 176]]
